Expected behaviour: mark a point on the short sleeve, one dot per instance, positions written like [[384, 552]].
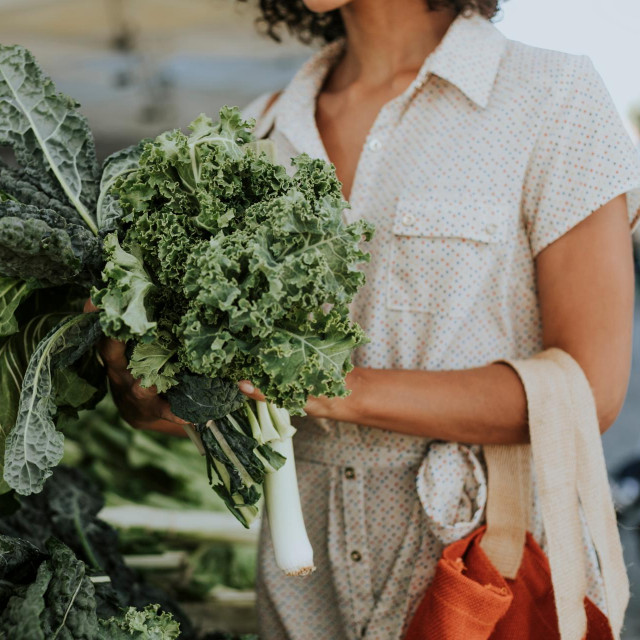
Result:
[[582, 159]]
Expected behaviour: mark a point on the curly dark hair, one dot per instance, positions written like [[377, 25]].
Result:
[[309, 26]]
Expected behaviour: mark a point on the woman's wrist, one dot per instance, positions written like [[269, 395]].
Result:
[[351, 408]]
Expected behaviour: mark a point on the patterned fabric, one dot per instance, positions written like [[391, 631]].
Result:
[[494, 152]]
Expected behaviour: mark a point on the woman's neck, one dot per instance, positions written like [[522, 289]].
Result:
[[387, 39]]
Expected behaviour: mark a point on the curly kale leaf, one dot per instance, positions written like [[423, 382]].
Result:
[[122, 302], [41, 244], [310, 359], [34, 446], [148, 624], [199, 399], [154, 363], [51, 140]]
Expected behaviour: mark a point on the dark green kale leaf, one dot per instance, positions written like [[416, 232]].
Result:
[[20, 619], [21, 187], [19, 562], [70, 613], [42, 244], [199, 399]]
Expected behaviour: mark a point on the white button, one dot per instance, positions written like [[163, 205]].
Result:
[[375, 144], [491, 228], [408, 220]]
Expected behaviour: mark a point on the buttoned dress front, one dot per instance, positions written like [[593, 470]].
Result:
[[495, 151]]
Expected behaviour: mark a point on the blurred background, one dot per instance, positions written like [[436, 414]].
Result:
[[139, 67]]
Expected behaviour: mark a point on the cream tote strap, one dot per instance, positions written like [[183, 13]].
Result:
[[508, 503], [595, 496], [569, 464]]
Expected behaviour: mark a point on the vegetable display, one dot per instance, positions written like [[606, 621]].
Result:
[[212, 261], [61, 574]]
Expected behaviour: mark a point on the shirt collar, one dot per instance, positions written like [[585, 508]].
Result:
[[468, 57]]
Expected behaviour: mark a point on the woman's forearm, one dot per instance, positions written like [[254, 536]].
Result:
[[486, 405]]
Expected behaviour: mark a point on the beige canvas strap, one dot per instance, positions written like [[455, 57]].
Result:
[[569, 464], [507, 507]]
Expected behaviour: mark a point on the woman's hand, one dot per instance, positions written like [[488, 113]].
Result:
[[342, 409], [141, 408]]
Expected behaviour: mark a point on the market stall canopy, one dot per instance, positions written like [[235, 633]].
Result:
[[139, 67], [114, 22]]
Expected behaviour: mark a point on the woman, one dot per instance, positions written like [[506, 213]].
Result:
[[503, 188]]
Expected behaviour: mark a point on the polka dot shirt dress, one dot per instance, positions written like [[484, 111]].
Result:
[[493, 152]]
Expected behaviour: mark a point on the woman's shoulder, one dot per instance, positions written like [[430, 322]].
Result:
[[548, 69]]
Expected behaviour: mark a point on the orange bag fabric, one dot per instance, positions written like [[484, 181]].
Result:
[[469, 599]]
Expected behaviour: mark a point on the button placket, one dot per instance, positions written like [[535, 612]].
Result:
[[358, 559]]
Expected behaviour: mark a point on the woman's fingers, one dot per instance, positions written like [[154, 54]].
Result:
[[89, 307], [249, 390], [140, 406], [113, 353], [166, 413]]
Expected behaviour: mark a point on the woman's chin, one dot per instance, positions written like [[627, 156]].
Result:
[[323, 6]]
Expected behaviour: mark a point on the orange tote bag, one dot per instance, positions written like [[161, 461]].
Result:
[[497, 583], [470, 600]]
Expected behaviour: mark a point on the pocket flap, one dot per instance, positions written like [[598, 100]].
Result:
[[439, 216]]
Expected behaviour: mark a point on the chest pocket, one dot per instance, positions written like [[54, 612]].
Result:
[[446, 254]]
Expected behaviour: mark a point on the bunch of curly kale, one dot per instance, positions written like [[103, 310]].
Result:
[[225, 267]]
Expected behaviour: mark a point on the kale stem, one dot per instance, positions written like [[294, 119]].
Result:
[[86, 546]]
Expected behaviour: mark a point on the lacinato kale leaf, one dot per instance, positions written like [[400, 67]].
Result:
[[13, 292], [115, 167], [34, 446], [50, 139], [15, 353], [42, 244], [19, 562], [22, 187]]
